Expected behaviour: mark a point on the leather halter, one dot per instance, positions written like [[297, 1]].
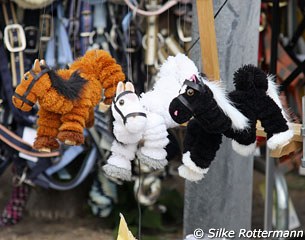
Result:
[[31, 85], [133, 114], [196, 86]]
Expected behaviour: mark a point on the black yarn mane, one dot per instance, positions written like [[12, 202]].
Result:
[[68, 88]]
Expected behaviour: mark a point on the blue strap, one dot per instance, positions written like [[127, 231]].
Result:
[[59, 43], [68, 156], [64, 49], [86, 168]]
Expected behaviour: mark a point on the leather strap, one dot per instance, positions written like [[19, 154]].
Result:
[[133, 114], [31, 85], [17, 143], [6, 83], [58, 53], [86, 23], [17, 58]]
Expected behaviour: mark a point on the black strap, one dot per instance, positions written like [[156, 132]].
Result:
[[182, 99], [129, 114], [121, 95], [31, 85], [6, 82], [196, 86]]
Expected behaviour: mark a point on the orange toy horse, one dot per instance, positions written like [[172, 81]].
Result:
[[67, 96]]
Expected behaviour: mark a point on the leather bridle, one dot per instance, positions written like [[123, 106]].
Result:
[[36, 77], [133, 114], [195, 86]]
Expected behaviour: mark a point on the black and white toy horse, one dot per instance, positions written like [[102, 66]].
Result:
[[235, 114]]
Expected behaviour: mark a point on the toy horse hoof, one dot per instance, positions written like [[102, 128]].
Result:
[[45, 144], [70, 143], [189, 174], [47, 150], [243, 150], [279, 139], [117, 172], [151, 162], [71, 138]]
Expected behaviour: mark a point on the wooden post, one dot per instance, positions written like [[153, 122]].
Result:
[[207, 35]]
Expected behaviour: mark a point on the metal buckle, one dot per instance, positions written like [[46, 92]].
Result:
[[19, 180], [32, 35], [46, 27], [8, 30]]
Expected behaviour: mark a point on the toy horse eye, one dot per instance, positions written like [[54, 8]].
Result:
[[121, 102], [26, 77], [190, 92]]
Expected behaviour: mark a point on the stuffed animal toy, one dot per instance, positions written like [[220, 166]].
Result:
[[151, 142], [169, 80], [67, 96], [128, 125], [214, 114]]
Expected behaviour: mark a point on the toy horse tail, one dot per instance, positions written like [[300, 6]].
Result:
[[99, 64], [273, 93], [110, 73]]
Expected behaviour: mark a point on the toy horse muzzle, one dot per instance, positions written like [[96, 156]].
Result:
[[23, 98], [131, 120], [180, 109]]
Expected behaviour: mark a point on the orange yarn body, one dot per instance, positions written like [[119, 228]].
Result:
[[63, 118]]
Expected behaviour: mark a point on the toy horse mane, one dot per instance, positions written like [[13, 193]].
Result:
[[70, 88]]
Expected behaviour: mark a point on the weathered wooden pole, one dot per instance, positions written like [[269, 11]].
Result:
[[223, 199]]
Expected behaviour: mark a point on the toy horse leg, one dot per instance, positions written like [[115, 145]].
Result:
[[48, 124], [73, 124], [200, 148], [153, 153], [243, 142], [119, 163], [274, 123], [90, 120]]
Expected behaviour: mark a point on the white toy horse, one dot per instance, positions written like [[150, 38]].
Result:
[[170, 78], [128, 126], [154, 131]]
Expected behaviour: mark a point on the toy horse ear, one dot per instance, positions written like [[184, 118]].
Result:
[[194, 79], [119, 88], [42, 62], [36, 66], [129, 86]]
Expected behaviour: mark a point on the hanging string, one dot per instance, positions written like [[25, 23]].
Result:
[[215, 16], [138, 203], [74, 13]]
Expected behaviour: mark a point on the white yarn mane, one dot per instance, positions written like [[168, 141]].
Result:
[[169, 81], [239, 121], [273, 92]]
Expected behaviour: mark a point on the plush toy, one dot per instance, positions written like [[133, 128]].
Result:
[[234, 115], [128, 125], [67, 96], [169, 80], [149, 145]]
